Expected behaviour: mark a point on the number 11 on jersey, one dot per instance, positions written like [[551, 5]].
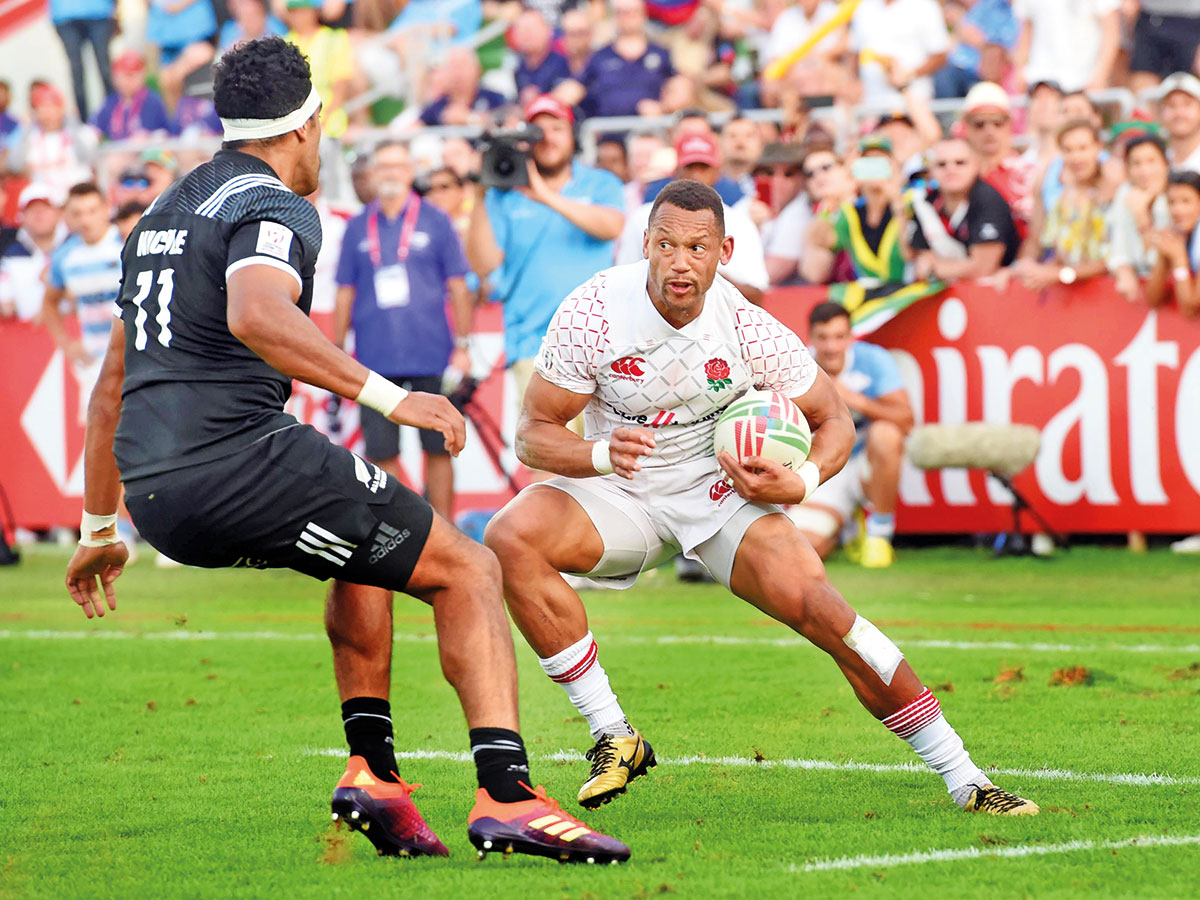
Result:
[[166, 290]]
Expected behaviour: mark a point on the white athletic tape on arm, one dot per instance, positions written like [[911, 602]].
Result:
[[601, 461], [875, 649], [258, 129], [380, 394], [811, 476], [90, 524]]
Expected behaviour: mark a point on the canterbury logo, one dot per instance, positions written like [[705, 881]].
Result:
[[562, 828], [719, 491], [628, 365], [316, 541]]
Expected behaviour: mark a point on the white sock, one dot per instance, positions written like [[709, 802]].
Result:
[[579, 671], [926, 730]]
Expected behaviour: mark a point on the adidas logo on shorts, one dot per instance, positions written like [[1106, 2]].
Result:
[[319, 542], [386, 540]]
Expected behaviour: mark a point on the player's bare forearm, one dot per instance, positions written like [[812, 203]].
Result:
[[832, 426], [263, 315], [553, 447], [101, 479]]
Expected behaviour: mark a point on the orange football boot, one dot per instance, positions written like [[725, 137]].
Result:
[[384, 812]]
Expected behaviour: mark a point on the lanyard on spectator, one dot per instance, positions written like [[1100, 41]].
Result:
[[130, 113], [411, 207]]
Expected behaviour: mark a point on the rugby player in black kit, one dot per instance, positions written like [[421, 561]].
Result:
[[188, 414]]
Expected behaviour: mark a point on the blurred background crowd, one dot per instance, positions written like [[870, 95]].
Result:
[[881, 147]]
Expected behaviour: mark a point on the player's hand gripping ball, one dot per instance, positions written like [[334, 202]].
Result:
[[764, 424]]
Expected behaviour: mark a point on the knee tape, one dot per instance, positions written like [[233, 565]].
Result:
[[875, 649]]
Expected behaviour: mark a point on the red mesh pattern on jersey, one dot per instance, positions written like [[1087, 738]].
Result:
[[577, 338], [777, 358]]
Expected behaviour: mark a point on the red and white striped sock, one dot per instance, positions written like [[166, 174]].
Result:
[[926, 730], [579, 671]]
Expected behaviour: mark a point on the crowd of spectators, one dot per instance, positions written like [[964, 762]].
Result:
[[880, 144]]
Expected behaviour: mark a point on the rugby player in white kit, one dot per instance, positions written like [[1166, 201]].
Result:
[[651, 353]]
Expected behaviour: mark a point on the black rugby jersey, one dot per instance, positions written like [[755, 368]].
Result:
[[193, 392]]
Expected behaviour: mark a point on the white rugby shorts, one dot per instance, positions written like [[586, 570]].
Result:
[[841, 495], [687, 507]]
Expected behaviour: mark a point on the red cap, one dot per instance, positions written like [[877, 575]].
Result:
[[129, 61], [697, 148], [45, 93], [550, 106]]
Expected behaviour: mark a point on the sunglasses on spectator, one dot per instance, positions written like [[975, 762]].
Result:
[[997, 122], [135, 183], [771, 171], [815, 170]]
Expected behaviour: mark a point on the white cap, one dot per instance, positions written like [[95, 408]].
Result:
[[986, 95], [1178, 81], [34, 192]]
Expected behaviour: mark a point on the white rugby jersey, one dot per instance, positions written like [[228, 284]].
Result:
[[608, 340]]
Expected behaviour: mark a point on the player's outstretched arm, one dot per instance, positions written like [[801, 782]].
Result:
[[263, 315], [545, 442], [99, 553]]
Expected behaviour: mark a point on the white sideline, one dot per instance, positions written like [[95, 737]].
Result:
[[717, 640], [1128, 778], [952, 855]]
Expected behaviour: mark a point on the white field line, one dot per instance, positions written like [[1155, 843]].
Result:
[[952, 855], [823, 765], [716, 640]]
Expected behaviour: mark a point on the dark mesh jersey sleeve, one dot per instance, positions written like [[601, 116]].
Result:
[[278, 229]]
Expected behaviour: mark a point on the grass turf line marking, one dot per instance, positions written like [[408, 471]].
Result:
[[716, 640], [952, 855], [1135, 779]]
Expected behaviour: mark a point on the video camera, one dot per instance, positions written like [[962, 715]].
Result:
[[505, 156]]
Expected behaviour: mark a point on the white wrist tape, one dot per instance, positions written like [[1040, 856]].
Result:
[[380, 394], [601, 461], [811, 476], [90, 524]]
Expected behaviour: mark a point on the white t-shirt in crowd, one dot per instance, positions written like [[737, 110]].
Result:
[[1064, 39], [905, 31], [746, 266], [784, 235], [609, 341], [792, 28]]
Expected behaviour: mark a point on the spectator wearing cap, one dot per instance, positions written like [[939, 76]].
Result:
[[1138, 209], [698, 158], [869, 228], [982, 23], [780, 171], [248, 20], [987, 119], [161, 168], [24, 261], [963, 229], [540, 68], [538, 243], [132, 110], [1175, 272], [80, 22], [688, 122], [1068, 243], [330, 58], [185, 31], [1166, 37], [627, 77], [900, 44], [1179, 112], [1074, 44], [51, 149], [461, 100], [400, 265], [1043, 117]]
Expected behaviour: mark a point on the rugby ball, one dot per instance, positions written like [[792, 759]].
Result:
[[765, 424]]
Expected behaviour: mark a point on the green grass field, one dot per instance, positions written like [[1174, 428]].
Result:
[[186, 745]]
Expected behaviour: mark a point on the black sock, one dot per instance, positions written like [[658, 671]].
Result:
[[368, 723], [500, 763]]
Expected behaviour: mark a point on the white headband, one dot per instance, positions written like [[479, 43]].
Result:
[[257, 129]]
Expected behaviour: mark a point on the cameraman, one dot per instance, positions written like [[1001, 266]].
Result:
[[539, 243]]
